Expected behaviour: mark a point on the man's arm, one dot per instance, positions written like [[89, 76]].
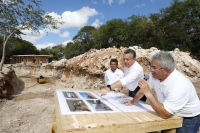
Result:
[[105, 90], [156, 105], [137, 97], [105, 78], [117, 84], [132, 76]]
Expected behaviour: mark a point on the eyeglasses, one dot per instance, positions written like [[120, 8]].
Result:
[[154, 69]]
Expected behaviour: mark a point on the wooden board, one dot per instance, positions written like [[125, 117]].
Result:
[[126, 122]]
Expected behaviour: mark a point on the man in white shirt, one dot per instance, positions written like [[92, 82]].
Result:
[[133, 73], [113, 74], [176, 94]]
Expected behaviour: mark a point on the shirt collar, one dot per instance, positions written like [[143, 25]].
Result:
[[132, 65], [113, 71], [167, 80]]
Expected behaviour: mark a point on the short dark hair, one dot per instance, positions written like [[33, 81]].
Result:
[[114, 60], [130, 51]]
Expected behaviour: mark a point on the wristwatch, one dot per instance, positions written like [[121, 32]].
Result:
[[109, 87]]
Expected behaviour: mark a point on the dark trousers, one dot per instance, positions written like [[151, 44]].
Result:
[[190, 125], [132, 94]]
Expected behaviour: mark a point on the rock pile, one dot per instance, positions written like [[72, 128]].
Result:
[[95, 62], [87, 70], [9, 83]]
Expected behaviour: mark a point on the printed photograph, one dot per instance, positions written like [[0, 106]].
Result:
[[77, 106], [68, 94], [87, 95], [98, 105]]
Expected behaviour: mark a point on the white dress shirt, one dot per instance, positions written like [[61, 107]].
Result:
[[177, 94], [132, 76], [111, 77]]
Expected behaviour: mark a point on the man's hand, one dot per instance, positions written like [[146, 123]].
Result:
[[127, 102], [117, 90], [144, 87], [104, 91]]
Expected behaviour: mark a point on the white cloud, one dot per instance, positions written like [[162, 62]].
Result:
[[140, 5], [32, 36], [44, 45], [152, 1], [97, 23], [56, 17], [48, 44], [94, 2], [65, 42], [65, 35], [77, 18], [122, 1], [110, 2]]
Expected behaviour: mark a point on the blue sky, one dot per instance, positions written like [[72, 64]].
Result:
[[79, 13]]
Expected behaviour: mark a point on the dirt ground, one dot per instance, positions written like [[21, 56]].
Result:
[[31, 110]]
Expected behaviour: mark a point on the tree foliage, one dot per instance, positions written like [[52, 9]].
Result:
[[177, 26], [18, 15], [17, 46], [85, 38], [182, 24], [72, 50]]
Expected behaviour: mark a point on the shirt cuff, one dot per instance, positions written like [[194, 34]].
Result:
[[168, 109], [123, 81]]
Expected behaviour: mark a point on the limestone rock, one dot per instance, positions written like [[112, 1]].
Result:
[[9, 83]]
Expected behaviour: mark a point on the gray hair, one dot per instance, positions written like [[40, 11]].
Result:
[[130, 51], [166, 60]]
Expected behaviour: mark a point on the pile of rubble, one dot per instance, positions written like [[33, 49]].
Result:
[[95, 62], [9, 82], [87, 70]]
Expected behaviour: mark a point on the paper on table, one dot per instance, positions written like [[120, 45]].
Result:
[[115, 99]]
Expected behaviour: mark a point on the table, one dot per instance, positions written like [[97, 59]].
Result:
[[117, 122]]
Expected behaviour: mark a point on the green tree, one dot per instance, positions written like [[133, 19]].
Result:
[[58, 52], [117, 32], [157, 37], [113, 33], [140, 30], [17, 46], [101, 37], [85, 38], [181, 22], [17, 15], [72, 49], [45, 51]]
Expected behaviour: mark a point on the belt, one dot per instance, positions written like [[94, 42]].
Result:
[[191, 117]]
